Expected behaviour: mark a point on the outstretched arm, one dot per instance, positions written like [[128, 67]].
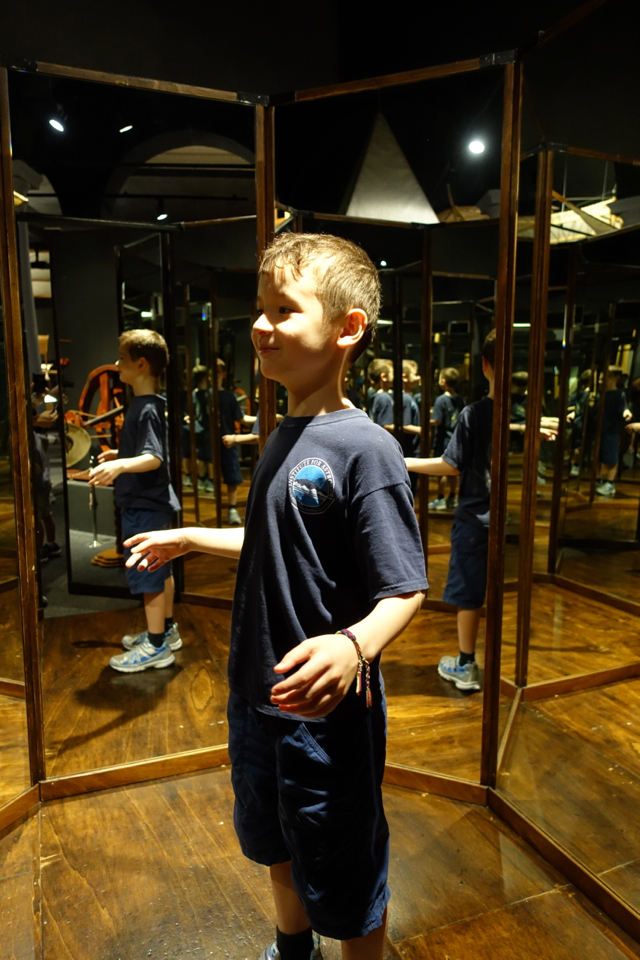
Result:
[[328, 663], [435, 466], [151, 550]]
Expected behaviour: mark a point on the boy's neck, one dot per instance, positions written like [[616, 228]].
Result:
[[318, 399], [143, 386]]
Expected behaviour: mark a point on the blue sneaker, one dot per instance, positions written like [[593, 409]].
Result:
[[172, 637], [143, 656], [439, 504], [465, 678], [272, 953]]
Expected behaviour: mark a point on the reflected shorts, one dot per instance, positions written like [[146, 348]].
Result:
[[467, 579], [144, 521], [609, 449], [230, 466], [311, 793]]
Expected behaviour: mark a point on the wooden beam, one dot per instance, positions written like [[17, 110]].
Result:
[[12, 688], [17, 808], [126, 773], [19, 398], [139, 83], [505, 299], [426, 335], [535, 397], [389, 80], [580, 681], [569, 21], [629, 606], [265, 205], [508, 730], [436, 783]]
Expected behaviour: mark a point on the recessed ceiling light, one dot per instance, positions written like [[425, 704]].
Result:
[[127, 128], [383, 263], [146, 314], [476, 146], [56, 125]]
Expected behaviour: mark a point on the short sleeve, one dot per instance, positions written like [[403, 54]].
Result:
[[237, 410], [459, 452], [438, 412], [382, 409], [388, 546], [150, 429]]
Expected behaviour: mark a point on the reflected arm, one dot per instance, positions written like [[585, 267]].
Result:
[[152, 550], [435, 466]]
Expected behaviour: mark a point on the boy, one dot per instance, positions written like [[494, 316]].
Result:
[[616, 413], [331, 572], [446, 410], [140, 471], [230, 414]]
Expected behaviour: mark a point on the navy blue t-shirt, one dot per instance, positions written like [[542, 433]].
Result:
[[446, 411], [230, 411], [381, 412], [145, 431], [330, 530], [469, 450]]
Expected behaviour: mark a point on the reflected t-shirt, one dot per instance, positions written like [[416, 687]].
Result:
[[381, 412], [145, 431], [330, 531], [469, 450], [446, 410]]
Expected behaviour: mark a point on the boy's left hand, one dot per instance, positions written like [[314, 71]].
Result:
[[328, 667], [105, 473]]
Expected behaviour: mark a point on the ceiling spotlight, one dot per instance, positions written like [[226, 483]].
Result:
[[146, 314], [476, 146], [383, 263], [161, 215], [127, 128], [56, 125]]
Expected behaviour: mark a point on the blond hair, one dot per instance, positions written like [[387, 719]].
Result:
[[378, 367], [345, 276], [147, 344]]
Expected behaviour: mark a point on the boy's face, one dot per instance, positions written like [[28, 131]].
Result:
[[129, 369], [291, 336]]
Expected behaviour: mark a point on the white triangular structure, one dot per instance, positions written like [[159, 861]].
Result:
[[386, 188]]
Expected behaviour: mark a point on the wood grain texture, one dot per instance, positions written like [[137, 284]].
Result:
[[20, 892], [11, 655], [96, 717], [14, 749], [155, 870]]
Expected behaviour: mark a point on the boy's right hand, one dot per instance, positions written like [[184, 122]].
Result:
[[151, 550], [107, 455]]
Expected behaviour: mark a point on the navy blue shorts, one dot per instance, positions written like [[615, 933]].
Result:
[[467, 579], [230, 466], [311, 793], [609, 449], [143, 521]]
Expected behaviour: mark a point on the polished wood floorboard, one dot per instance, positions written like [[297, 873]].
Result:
[[569, 634], [14, 751], [11, 655], [616, 573], [96, 717], [573, 766], [155, 871]]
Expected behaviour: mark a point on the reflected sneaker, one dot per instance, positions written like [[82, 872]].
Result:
[[452, 502], [439, 504], [234, 517], [465, 678], [606, 489], [143, 656], [209, 487], [172, 637], [272, 953], [187, 481], [50, 550], [575, 470]]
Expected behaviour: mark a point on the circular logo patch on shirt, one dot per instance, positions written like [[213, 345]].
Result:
[[311, 486]]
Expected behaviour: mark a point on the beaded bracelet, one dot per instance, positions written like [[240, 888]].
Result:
[[363, 664]]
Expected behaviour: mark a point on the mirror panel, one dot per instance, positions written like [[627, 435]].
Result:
[[98, 248]]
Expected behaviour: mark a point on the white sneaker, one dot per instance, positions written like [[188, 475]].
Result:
[[143, 656], [272, 953], [172, 637]]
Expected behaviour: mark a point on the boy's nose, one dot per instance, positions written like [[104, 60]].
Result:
[[261, 325]]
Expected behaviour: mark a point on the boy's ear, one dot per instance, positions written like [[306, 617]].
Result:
[[353, 328]]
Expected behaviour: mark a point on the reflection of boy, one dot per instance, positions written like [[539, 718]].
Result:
[[576, 411], [230, 414], [614, 416], [468, 455], [446, 410], [380, 373], [143, 491], [331, 571]]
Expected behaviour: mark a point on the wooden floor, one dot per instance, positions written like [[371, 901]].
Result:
[[11, 657], [155, 871], [14, 754], [573, 766], [616, 573]]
